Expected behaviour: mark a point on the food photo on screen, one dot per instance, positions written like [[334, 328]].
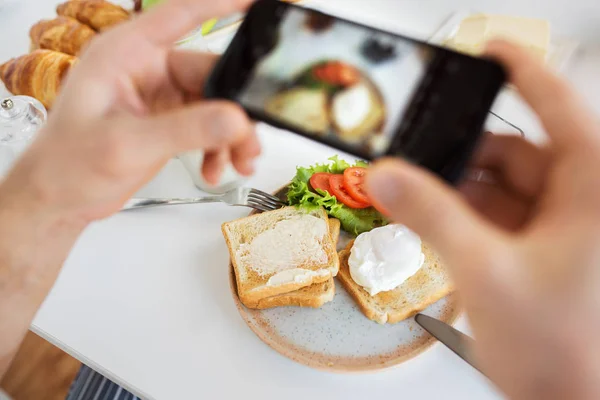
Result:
[[336, 80]]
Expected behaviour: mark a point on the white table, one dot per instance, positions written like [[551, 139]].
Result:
[[144, 297]]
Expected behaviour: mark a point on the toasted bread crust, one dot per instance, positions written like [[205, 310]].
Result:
[[357, 292], [313, 296], [253, 298], [389, 307]]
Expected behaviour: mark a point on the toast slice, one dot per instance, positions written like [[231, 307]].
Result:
[[430, 284], [312, 296], [279, 252]]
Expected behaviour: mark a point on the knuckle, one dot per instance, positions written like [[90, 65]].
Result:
[[230, 118], [232, 112]]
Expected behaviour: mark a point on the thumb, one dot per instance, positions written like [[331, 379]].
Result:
[[417, 199]]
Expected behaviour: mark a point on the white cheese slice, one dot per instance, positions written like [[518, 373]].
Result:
[[475, 31]]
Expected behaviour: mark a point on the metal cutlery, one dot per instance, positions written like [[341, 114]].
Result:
[[243, 197], [455, 340]]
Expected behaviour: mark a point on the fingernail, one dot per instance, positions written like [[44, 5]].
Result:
[[383, 188]]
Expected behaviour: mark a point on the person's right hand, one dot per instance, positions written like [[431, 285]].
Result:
[[131, 103], [524, 252]]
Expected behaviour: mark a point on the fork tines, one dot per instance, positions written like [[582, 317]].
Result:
[[264, 201]]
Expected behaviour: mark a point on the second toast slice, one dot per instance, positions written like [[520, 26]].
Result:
[[430, 284]]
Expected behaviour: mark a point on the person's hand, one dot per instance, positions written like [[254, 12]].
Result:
[[524, 252], [131, 104]]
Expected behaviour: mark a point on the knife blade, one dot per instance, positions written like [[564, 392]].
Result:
[[456, 341]]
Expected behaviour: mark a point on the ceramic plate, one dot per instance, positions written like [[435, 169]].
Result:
[[338, 337]]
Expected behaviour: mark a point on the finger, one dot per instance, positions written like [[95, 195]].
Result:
[[519, 164], [189, 69], [244, 154], [214, 164], [170, 21], [208, 126], [562, 113], [435, 211], [498, 205]]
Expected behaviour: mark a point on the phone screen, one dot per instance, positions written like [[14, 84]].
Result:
[[335, 80], [361, 90]]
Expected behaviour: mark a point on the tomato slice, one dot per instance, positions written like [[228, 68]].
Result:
[[329, 74], [337, 189], [347, 75], [320, 180], [354, 178]]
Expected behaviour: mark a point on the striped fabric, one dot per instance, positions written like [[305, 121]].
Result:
[[90, 385]]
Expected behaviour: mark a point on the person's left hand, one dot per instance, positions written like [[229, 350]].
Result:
[[132, 103]]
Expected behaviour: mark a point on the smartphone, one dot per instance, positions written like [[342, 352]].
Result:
[[363, 91]]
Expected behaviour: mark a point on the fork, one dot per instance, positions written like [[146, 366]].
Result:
[[244, 197]]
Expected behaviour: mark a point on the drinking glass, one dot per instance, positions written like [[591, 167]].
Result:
[[20, 118]]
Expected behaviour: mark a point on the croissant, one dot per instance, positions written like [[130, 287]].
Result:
[[63, 34], [38, 74], [98, 14]]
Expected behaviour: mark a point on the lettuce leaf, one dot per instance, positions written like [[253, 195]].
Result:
[[353, 221]]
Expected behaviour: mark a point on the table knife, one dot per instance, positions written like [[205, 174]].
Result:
[[456, 341]]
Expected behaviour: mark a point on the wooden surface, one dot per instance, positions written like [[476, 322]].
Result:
[[39, 371]]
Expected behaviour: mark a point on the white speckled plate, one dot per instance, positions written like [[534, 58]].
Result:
[[338, 337]]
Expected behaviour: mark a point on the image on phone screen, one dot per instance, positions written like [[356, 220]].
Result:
[[360, 90], [336, 80]]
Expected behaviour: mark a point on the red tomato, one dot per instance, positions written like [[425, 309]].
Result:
[[321, 73], [320, 180], [329, 74], [337, 73], [347, 75], [354, 184], [337, 189]]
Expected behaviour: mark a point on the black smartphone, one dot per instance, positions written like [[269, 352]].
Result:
[[358, 89]]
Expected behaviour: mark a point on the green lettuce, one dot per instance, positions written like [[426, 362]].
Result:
[[353, 221]]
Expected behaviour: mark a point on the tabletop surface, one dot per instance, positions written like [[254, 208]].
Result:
[[144, 296]]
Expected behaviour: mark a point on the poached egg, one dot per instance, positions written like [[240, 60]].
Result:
[[351, 106], [382, 259]]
